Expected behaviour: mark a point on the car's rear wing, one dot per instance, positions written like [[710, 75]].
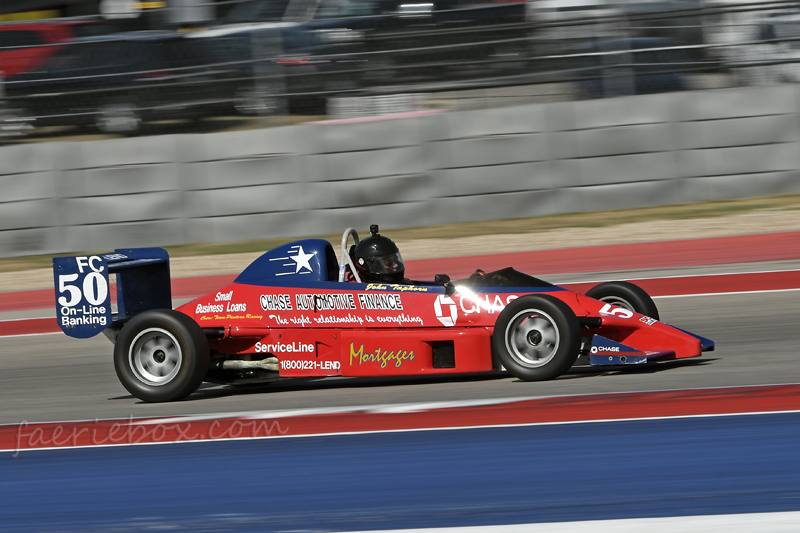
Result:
[[84, 283]]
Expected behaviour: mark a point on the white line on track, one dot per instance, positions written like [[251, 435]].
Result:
[[28, 318], [731, 523], [391, 407], [30, 335], [382, 431], [691, 276], [736, 293], [381, 408]]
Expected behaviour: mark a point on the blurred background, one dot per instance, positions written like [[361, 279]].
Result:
[[171, 122], [126, 67]]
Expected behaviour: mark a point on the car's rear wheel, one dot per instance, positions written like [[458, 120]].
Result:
[[536, 337], [626, 295], [161, 355]]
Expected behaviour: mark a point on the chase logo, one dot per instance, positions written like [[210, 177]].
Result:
[[446, 310], [596, 349], [296, 261]]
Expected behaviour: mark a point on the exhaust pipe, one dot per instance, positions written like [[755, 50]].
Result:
[[270, 363]]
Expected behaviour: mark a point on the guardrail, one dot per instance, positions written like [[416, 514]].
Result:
[[436, 168], [121, 81]]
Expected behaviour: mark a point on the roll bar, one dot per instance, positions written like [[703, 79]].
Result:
[[346, 259]]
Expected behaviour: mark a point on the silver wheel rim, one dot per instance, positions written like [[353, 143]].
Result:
[[532, 338], [155, 356], [618, 301]]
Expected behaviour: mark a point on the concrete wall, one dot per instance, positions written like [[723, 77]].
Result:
[[434, 169]]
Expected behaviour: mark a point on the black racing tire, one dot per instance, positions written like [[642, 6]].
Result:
[[161, 356], [536, 338], [626, 295]]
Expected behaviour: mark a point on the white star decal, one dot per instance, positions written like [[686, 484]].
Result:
[[302, 259]]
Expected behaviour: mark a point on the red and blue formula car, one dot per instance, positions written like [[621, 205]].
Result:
[[292, 314]]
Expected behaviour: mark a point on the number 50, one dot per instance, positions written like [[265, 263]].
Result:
[[95, 289]]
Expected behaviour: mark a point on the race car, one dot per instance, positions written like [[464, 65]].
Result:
[[294, 312]]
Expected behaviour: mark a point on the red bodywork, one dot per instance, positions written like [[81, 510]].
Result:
[[393, 330]]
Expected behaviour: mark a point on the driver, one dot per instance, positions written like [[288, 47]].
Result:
[[377, 260]]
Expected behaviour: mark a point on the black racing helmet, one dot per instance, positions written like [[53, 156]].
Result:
[[378, 259]]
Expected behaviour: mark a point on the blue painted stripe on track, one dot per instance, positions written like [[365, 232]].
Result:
[[466, 477]]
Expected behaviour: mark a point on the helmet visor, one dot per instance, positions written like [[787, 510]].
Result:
[[387, 264]]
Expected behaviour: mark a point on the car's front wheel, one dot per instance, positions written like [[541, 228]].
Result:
[[161, 355], [536, 337], [626, 295]]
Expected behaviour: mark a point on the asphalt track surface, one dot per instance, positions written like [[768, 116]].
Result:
[[706, 467], [55, 378]]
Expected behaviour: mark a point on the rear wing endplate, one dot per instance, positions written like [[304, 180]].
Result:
[[84, 291]]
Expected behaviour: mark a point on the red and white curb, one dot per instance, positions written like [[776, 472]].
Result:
[[494, 413]]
